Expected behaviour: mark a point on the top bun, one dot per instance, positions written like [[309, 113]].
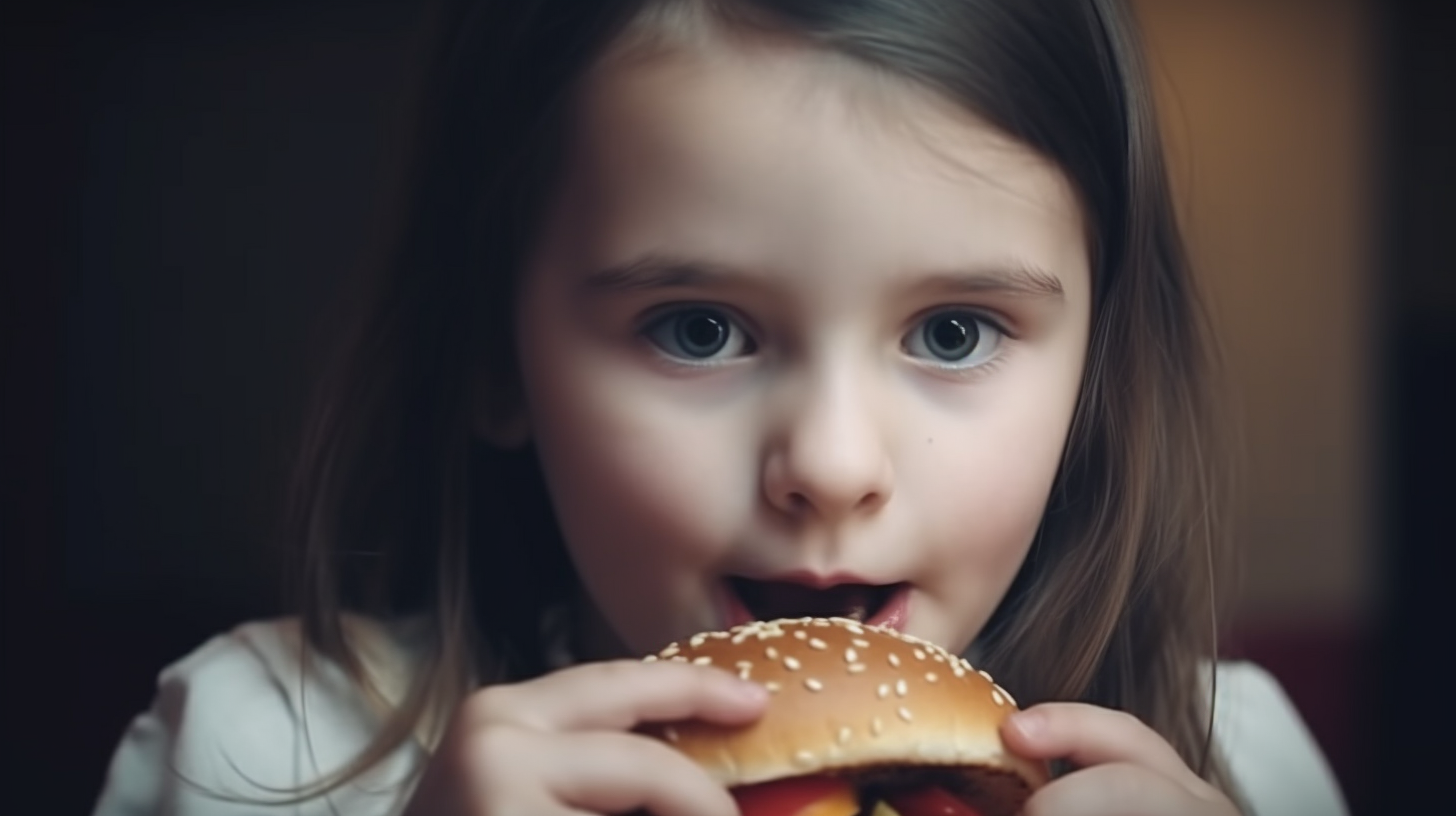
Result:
[[856, 700]]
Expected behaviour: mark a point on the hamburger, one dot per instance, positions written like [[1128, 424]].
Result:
[[862, 721]]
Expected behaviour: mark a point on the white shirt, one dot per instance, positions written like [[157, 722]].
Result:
[[238, 722]]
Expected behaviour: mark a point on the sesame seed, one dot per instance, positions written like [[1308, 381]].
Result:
[[790, 663], [904, 713], [861, 642], [771, 653], [703, 660], [800, 634], [894, 660], [958, 671], [1005, 694], [772, 686], [820, 622], [939, 658], [812, 684], [740, 637], [919, 654], [856, 668], [851, 656], [804, 758], [816, 643], [883, 691], [930, 677], [983, 673], [876, 727], [855, 628], [743, 672], [901, 688], [650, 659], [697, 640], [996, 697], [672, 649], [844, 734]]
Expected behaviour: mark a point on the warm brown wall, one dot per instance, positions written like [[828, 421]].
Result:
[[1269, 107]]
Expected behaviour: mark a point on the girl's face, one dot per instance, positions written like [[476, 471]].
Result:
[[797, 339]]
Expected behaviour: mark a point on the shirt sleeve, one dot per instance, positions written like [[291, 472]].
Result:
[[239, 726], [1271, 755]]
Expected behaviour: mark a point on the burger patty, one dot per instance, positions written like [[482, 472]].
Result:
[[975, 786]]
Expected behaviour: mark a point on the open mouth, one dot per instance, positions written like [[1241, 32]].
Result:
[[879, 604]]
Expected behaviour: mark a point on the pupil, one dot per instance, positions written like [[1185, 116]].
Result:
[[702, 334], [952, 337]]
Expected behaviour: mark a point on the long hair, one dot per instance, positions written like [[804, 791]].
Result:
[[398, 511]]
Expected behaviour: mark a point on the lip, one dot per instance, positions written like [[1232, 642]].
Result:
[[896, 611], [734, 613], [893, 614], [814, 580]]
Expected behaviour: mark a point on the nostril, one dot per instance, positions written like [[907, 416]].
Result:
[[870, 501], [830, 485]]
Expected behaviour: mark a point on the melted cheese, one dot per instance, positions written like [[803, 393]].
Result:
[[842, 803]]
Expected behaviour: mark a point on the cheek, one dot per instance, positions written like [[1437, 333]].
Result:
[[634, 477], [986, 514], [985, 483]]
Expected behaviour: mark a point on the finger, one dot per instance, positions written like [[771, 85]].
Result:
[[1117, 789], [1088, 735], [604, 772], [488, 773], [619, 695]]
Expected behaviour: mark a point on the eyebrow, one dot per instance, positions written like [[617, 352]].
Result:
[[653, 272], [1021, 280]]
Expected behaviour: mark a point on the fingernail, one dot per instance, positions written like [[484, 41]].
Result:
[[1029, 723], [750, 691]]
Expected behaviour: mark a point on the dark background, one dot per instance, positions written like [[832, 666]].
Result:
[[187, 190]]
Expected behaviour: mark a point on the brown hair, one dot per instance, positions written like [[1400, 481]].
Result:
[[400, 511]]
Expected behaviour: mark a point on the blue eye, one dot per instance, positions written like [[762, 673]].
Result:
[[698, 334], [954, 339]]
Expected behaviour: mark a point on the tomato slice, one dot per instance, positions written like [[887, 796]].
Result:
[[800, 796], [929, 801]]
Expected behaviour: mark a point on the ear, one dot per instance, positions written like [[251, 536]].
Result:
[[498, 412]]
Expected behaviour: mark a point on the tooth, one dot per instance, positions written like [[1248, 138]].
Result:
[[857, 611]]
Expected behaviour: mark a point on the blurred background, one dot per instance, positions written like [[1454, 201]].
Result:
[[189, 187]]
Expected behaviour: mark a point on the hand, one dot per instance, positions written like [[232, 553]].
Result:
[[560, 744], [1124, 768]]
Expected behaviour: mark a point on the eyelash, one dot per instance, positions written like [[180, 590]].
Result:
[[662, 319], [920, 331]]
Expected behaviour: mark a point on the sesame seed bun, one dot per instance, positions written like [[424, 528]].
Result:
[[860, 701]]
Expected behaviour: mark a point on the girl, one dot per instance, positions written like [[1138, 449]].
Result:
[[710, 310]]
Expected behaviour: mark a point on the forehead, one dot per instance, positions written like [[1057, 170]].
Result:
[[741, 142]]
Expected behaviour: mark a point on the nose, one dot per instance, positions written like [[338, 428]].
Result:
[[828, 458]]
